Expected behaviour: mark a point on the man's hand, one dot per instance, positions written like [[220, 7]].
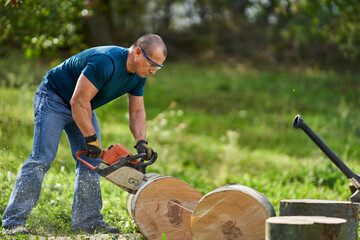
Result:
[[143, 147], [94, 148]]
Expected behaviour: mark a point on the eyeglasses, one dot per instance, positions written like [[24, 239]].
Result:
[[155, 66]]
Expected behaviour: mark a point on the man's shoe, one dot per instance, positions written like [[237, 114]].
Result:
[[15, 230], [101, 228]]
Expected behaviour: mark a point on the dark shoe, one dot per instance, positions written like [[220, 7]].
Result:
[[15, 230], [101, 228]]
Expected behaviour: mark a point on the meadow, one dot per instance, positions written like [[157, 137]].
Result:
[[211, 125]]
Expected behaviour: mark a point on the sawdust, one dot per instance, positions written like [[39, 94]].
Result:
[[90, 237]]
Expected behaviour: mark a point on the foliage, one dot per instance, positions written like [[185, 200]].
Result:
[[42, 26], [211, 125], [320, 32], [319, 26]]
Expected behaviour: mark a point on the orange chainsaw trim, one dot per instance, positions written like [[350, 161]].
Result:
[[114, 153], [83, 161]]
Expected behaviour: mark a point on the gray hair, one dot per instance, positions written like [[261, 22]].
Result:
[[149, 43]]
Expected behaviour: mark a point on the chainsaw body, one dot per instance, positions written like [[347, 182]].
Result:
[[121, 168]]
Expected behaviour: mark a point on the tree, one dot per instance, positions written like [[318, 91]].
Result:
[[42, 26], [269, 29]]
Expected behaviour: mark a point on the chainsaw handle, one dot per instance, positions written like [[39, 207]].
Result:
[[134, 157], [142, 155], [151, 161], [83, 161]]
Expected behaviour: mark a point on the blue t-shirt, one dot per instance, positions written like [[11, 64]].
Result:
[[105, 67]]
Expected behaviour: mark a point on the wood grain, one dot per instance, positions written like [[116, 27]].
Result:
[[164, 205], [231, 212]]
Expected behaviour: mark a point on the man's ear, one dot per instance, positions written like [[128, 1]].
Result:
[[137, 52]]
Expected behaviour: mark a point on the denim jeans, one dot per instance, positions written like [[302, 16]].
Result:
[[52, 116]]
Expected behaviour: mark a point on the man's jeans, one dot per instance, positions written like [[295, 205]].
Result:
[[52, 116]]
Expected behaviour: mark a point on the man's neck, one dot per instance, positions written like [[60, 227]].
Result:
[[130, 63]]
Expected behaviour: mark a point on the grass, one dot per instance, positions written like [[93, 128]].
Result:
[[210, 124]]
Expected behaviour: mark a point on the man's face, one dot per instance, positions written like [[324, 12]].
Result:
[[148, 64]]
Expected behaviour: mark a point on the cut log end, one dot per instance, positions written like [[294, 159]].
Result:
[[231, 212], [164, 205], [305, 220]]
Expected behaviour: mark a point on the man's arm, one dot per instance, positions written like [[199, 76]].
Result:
[[137, 117], [81, 107]]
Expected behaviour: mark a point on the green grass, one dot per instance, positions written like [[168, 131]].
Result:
[[210, 124]]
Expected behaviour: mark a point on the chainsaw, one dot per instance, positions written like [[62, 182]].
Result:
[[121, 168]]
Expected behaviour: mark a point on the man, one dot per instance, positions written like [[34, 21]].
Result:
[[65, 100]]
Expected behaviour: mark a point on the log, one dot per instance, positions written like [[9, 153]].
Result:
[[305, 228], [231, 212], [327, 208], [163, 205], [130, 209]]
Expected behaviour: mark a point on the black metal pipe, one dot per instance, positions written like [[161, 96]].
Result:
[[300, 123]]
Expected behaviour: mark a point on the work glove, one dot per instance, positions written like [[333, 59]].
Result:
[[143, 147], [94, 148]]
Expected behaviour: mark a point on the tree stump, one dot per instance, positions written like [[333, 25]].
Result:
[[305, 228], [314, 207], [164, 205], [231, 212]]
